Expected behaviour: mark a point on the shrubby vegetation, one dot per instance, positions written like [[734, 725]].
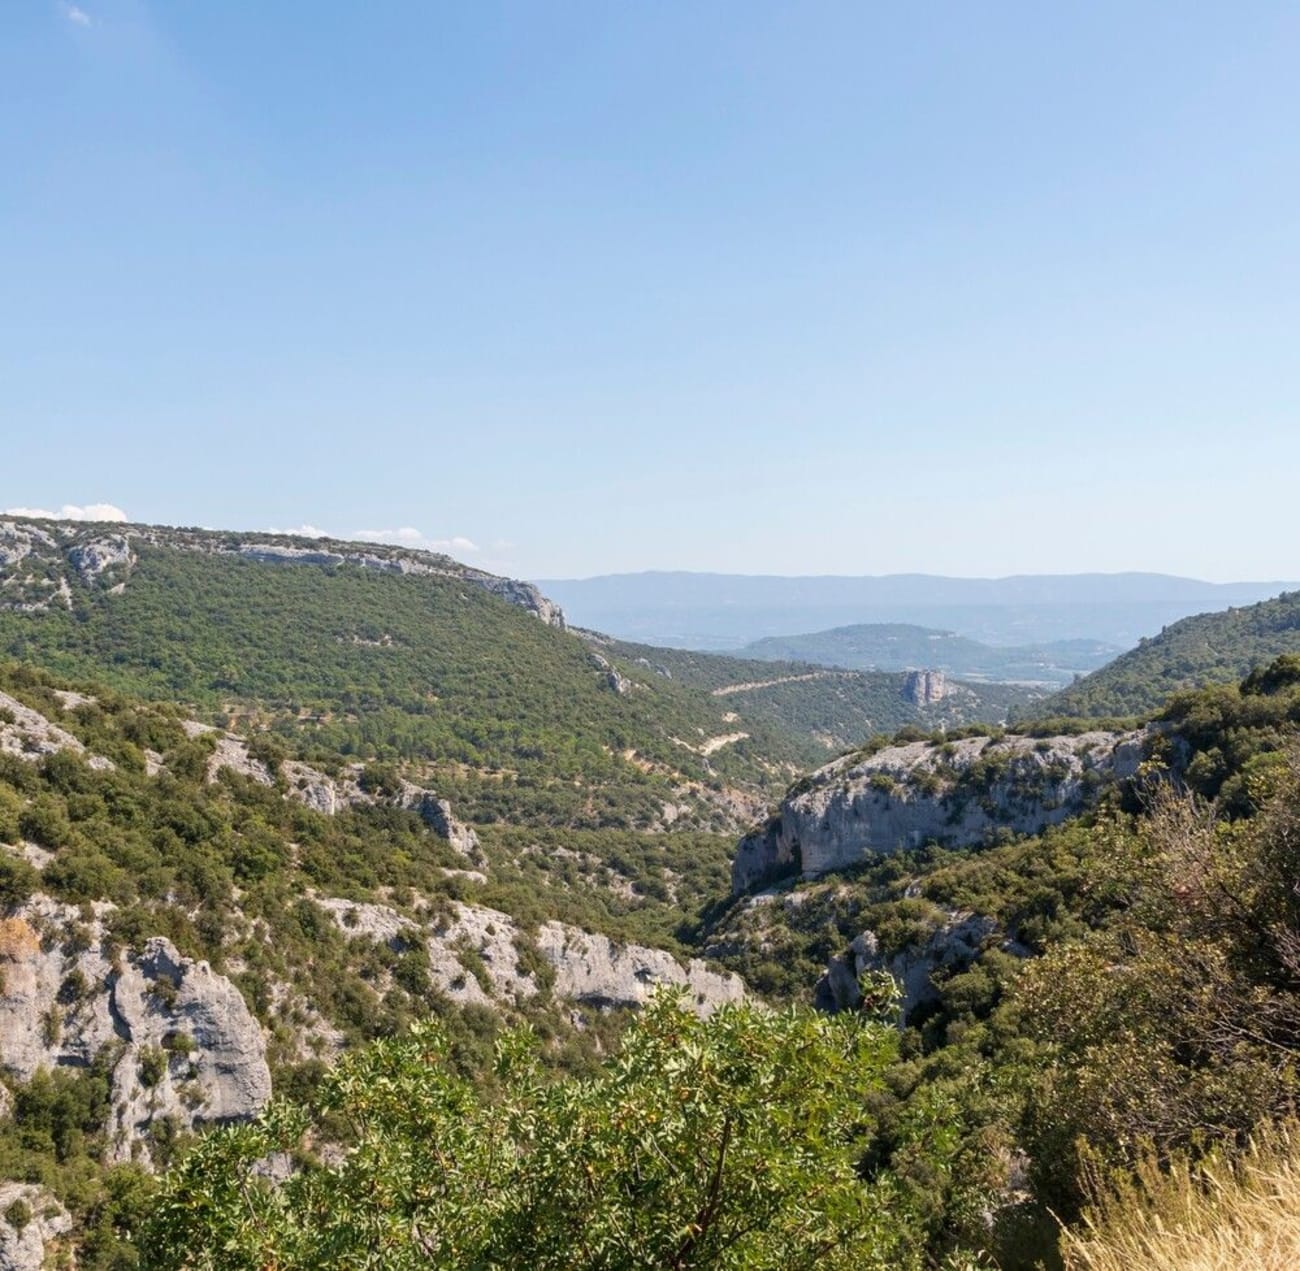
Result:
[[53, 1136], [1133, 1000], [726, 1143], [209, 865], [1135, 997], [811, 702], [1156, 1020], [516, 717]]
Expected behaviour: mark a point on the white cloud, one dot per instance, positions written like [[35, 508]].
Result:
[[408, 536], [71, 512], [302, 531], [79, 17]]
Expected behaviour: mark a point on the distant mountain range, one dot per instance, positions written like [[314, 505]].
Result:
[[728, 611], [903, 646]]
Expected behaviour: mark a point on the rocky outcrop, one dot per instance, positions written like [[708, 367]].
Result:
[[18, 541], [31, 569], [111, 554], [193, 1049], [28, 734], [472, 951], [520, 593], [957, 793], [511, 590], [328, 795], [107, 560], [31, 1221], [181, 1039], [231, 754], [594, 970], [312, 788], [613, 678], [952, 946], [436, 813], [474, 958], [925, 688]]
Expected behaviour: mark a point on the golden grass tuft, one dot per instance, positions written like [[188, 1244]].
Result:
[[1224, 1213], [17, 940]]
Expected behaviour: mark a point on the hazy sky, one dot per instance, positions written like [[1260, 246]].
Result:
[[799, 288]]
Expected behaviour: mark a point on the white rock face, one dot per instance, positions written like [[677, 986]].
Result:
[[189, 1046], [231, 753], [465, 933], [594, 970], [512, 590], [215, 1069], [108, 560], [311, 787], [328, 795], [613, 679], [958, 794], [18, 541], [24, 1248], [589, 968], [31, 736], [925, 688], [111, 553], [436, 813]]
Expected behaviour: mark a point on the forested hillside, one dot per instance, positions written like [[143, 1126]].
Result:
[[1210, 648], [1076, 1008], [338, 849], [380, 654]]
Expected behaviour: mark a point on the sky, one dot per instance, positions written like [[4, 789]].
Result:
[[568, 289]]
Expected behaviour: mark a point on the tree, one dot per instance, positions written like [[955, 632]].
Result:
[[721, 1143]]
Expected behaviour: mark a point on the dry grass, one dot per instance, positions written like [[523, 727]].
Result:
[[17, 940], [1224, 1214]]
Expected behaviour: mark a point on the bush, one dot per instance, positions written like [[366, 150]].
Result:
[[724, 1143]]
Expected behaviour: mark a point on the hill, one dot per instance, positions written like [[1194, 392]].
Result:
[[904, 646], [834, 707], [383, 653], [727, 611], [274, 809], [1209, 648]]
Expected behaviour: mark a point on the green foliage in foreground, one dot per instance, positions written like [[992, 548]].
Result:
[[725, 1143]]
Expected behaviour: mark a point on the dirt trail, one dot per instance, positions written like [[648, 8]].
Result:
[[727, 689]]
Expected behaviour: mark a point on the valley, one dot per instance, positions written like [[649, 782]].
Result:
[[271, 806]]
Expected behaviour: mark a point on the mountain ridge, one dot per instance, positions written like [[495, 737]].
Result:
[[726, 611], [907, 646]]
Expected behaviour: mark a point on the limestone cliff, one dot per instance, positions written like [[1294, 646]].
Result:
[[951, 946], [31, 1222], [39, 559], [959, 793], [477, 957], [182, 1043]]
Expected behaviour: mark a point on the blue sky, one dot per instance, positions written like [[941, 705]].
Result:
[[577, 288]]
